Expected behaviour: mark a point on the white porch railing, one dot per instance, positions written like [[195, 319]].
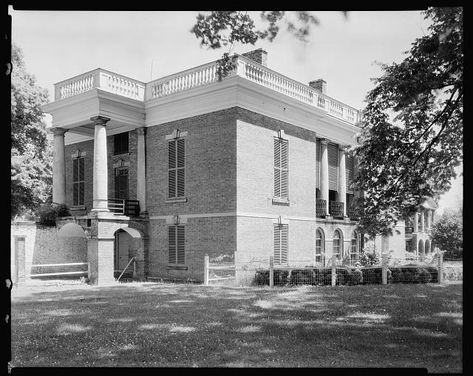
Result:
[[200, 76], [102, 79]]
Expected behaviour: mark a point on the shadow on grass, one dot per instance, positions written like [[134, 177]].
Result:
[[193, 325]]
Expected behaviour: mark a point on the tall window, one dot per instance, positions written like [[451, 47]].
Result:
[[120, 143], [78, 181], [121, 183], [281, 168], [319, 247], [176, 238], [176, 154], [354, 249], [337, 244], [280, 244]]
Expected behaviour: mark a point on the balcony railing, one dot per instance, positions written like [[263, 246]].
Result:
[[353, 213], [102, 79], [320, 208], [125, 207], [200, 76], [336, 209]]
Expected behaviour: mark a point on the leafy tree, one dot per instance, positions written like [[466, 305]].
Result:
[[412, 127], [31, 155], [218, 29], [447, 233]]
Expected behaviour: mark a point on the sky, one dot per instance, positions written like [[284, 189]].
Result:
[[146, 45]]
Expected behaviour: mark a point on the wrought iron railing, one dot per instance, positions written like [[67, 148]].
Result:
[[336, 209], [125, 207], [320, 207]]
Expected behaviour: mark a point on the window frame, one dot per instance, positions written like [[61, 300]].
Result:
[[339, 254], [320, 249], [356, 252], [77, 182], [120, 137]]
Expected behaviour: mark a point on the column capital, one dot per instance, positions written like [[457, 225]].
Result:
[[141, 130], [58, 131], [324, 141], [343, 148], [100, 120]]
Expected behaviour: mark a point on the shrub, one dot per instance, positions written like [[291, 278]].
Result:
[[356, 277], [48, 214], [434, 274], [280, 277], [343, 276], [322, 277], [369, 259], [422, 275], [302, 277], [261, 278]]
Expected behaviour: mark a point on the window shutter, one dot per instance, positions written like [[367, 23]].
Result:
[[172, 183], [172, 154], [81, 193], [277, 245], [281, 171], [180, 244], [318, 159], [284, 241], [333, 167], [180, 182], [172, 244], [349, 168], [75, 169], [280, 244], [75, 194], [180, 153]]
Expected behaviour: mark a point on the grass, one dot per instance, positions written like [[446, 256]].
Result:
[[166, 325]]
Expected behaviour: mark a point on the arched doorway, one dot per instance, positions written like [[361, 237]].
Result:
[[127, 246], [71, 244]]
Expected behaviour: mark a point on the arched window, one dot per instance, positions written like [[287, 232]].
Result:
[[354, 247], [319, 247], [427, 247], [338, 244], [420, 249]]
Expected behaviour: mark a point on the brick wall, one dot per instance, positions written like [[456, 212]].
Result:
[[210, 174], [214, 236]]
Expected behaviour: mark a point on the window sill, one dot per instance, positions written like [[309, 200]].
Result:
[[176, 200], [79, 207], [121, 154], [177, 267], [280, 201]]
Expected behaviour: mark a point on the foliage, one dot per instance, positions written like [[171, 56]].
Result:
[[48, 214], [447, 233], [412, 127], [369, 258], [217, 29], [31, 154]]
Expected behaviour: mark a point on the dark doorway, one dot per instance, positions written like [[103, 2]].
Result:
[[121, 183]]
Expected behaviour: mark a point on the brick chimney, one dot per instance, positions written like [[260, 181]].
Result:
[[259, 55], [319, 85]]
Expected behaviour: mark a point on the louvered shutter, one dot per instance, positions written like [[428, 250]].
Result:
[[172, 244], [176, 173], [284, 241], [349, 168], [318, 159], [277, 245], [81, 193], [180, 153], [172, 154], [280, 244], [277, 168], [75, 170], [333, 167], [281, 168], [180, 244], [75, 194]]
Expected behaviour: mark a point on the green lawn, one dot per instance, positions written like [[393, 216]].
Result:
[[152, 324]]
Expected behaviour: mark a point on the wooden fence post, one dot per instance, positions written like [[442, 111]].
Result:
[[206, 270], [271, 271], [384, 270], [440, 266], [334, 270]]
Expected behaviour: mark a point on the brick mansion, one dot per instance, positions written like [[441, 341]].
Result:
[[247, 167]]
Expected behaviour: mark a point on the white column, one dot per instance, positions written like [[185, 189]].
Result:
[[324, 173], [59, 167], [416, 222], [342, 180], [100, 184], [141, 169]]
